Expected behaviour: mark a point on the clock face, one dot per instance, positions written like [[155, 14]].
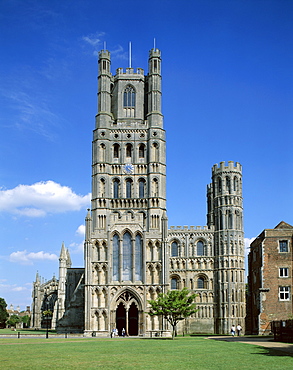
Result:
[[128, 168]]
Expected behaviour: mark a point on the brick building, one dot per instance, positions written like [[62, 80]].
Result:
[[269, 279]]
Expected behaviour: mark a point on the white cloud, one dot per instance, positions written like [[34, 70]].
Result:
[[81, 230], [25, 258], [14, 288], [76, 248], [19, 289], [94, 39], [247, 242], [41, 198], [31, 110]]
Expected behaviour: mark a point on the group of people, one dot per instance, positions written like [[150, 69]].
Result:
[[114, 333], [238, 328]]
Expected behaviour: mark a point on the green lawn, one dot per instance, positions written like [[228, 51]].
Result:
[[125, 353]]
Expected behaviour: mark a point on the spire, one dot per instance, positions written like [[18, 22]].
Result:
[[63, 254], [68, 259]]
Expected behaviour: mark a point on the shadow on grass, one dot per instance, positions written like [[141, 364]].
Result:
[[273, 351]]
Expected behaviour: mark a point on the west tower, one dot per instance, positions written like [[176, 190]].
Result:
[[126, 230]]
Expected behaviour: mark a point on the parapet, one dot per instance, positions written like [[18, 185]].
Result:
[[104, 54], [155, 53], [190, 228], [129, 71], [232, 166]]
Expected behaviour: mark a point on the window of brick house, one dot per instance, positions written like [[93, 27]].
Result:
[[284, 293], [283, 272], [283, 246]]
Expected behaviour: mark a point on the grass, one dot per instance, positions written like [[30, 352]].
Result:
[[125, 353]]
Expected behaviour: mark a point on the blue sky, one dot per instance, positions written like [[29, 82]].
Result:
[[227, 95]]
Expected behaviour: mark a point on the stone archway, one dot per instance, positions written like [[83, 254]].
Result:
[[120, 318], [133, 319], [127, 314]]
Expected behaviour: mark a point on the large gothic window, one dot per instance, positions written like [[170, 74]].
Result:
[[127, 257], [138, 257], [115, 257], [129, 97]]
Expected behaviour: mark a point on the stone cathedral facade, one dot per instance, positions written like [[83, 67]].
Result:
[[130, 254]]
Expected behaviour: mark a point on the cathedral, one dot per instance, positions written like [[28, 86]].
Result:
[[130, 254]]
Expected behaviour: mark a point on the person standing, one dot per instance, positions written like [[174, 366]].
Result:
[[233, 330], [239, 328]]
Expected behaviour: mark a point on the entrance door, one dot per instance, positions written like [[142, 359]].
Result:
[[133, 320], [120, 318], [127, 320]]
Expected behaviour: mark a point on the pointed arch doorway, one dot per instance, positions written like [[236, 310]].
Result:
[[127, 315]]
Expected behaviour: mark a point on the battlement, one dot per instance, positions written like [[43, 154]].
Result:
[[155, 53], [232, 166], [189, 228], [129, 71], [104, 54]]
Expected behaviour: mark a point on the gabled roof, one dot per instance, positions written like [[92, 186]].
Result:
[[283, 225]]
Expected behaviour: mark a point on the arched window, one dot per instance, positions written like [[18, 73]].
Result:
[[155, 152], [116, 257], [200, 248], [129, 97], [200, 283], [141, 188], [220, 220], [127, 257], [129, 101], [235, 183], [138, 258], [116, 150], [174, 283], [102, 152], [219, 185], [116, 185], [102, 188], [128, 150], [141, 150], [128, 188], [228, 185], [155, 188], [174, 249], [230, 220]]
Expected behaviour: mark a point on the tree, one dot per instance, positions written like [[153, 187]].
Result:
[[3, 313], [175, 305], [13, 320], [26, 321]]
